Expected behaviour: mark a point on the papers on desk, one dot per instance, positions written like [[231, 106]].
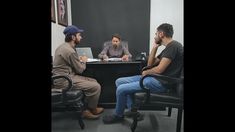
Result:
[[113, 59], [109, 59], [92, 60]]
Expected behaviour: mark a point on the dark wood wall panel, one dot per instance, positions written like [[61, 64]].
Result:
[[101, 18]]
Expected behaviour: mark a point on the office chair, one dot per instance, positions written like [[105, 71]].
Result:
[[67, 98], [173, 98]]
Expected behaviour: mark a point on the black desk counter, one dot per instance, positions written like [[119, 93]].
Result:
[[106, 74], [113, 62]]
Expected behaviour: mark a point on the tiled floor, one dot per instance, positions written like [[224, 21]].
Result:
[[154, 121]]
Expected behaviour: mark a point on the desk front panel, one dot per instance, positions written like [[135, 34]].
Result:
[[106, 74]]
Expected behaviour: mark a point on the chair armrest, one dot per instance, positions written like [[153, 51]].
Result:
[[169, 80], [146, 68], [70, 83]]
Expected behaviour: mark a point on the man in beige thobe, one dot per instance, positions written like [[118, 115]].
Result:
[[67, 62]]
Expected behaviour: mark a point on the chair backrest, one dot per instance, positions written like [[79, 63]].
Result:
[[180, 87], [123, 43]]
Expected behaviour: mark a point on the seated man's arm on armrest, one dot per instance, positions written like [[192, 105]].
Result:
[[156, 62], [160, 68]]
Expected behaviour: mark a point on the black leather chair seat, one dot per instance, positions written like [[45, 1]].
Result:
[[74, 95], [56, 97], [71, 96]]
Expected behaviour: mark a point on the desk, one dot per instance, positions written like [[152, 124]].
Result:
[[106, 74]]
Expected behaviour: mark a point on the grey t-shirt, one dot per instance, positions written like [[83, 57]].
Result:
[[173, 51], [114, 52]]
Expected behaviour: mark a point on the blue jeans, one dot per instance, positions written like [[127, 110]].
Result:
[[126, 86]]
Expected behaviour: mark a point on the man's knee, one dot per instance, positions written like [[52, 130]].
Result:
[[118, 81], [96, 87], [147, 82]]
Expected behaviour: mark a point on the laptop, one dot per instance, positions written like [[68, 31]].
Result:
[[86, 51]]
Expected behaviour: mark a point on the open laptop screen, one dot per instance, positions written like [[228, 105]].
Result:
[[84, 51]]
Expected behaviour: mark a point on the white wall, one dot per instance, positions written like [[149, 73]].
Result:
[[167, 11], [57, 36]]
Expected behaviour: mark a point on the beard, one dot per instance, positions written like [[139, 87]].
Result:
[[158, 40], [77, 41], [115, 46]]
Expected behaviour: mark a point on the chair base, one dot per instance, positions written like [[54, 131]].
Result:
[[135, 121]]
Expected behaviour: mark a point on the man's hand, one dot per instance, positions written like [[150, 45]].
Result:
[[83, 59], [157, 42], [156, 45], [144, 73], [105, 58], [125, 58]]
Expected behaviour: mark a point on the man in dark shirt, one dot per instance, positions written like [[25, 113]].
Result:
[[169, 62], [115, 49]]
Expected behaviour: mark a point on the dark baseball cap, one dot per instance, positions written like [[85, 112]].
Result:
[[72, 30]]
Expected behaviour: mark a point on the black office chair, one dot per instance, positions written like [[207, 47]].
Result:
[[173, 98], [67, 98]]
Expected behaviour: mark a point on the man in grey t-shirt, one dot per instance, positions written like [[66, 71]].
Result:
[[169, 63]]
